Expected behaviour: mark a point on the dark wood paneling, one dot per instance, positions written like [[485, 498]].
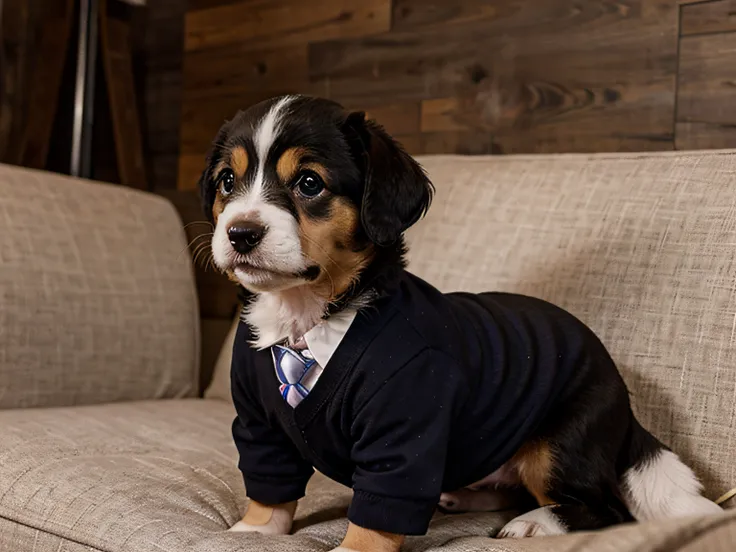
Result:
[[265, 23], [162, 52], [54, 31], [412, 14], [15, 49], [710, 17], [461, 142], [193, 5], [692, 136], [118, 64], [605, 73], [235, 70], [401, 118], [707, 79], [470, 76]]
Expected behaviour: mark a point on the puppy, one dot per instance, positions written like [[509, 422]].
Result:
[[347, 363]]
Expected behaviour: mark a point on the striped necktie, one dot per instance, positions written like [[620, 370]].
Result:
[[293, 366]]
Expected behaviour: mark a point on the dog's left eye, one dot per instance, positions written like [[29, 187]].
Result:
[[226, 181], [309, 184]]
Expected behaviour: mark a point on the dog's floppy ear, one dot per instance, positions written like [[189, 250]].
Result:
[[397, 192]]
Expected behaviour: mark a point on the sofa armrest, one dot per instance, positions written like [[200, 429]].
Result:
[[98, 297]]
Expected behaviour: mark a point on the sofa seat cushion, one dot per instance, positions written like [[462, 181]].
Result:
[[161, 477], [157, 476]]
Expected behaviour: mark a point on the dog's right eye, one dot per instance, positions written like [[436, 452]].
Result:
[[226, 181]]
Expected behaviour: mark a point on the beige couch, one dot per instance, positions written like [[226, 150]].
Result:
[[103, 446]]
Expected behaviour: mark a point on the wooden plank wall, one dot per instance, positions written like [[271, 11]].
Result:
[[473, 76], [159, 47], [706, 107]]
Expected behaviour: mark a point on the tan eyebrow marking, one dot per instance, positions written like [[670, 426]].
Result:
[[239, 161], [288, 163]]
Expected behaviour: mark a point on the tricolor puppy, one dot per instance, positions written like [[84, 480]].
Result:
[[347, 363]]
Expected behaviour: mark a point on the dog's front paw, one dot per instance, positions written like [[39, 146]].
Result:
[[269, 528], [267, 520]]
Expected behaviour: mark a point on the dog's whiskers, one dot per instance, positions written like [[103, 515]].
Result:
[[191, 242], [202, 254], [208, 223]]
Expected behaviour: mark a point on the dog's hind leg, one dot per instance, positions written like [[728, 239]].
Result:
[[658, 484]]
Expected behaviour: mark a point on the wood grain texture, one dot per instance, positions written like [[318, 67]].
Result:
[[697, 136], [591, 72], [284, 22], [461, 142], [711, 17], [233, 70], [412, 143], [707, 79], [161, 51], [118, 65], [467, 76], [15, 46], [398, 119], [50, 52]]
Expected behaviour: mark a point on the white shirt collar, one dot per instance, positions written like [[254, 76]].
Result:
[[323, 339]]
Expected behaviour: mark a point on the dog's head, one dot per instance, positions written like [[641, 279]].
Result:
[[302, 192]]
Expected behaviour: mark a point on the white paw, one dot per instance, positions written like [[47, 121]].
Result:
[[268, 529], [518, 529], [537, 523]]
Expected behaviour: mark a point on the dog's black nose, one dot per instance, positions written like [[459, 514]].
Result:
[[244, 236]]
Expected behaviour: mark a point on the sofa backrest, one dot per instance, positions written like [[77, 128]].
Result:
[[97, 297], [641, 247]]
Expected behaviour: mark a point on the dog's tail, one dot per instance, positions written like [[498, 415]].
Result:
[[656, 484]]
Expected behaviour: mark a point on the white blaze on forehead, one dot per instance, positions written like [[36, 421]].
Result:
[[280, 248], [265, 135]]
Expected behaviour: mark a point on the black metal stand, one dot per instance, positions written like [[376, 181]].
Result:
[[84, 88]]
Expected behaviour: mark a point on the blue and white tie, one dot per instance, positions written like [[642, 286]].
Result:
[[292, 369]]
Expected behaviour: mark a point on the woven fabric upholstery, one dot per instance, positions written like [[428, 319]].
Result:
[[160, 476], [640, 247], [98, 299]]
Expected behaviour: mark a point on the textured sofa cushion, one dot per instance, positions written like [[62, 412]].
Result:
[[160, 476], [96, 292]]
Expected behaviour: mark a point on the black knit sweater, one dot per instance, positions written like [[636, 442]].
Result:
[[426, 393]]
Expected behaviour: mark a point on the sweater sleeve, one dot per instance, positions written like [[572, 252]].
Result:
[[273, 468], [401, 438]]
